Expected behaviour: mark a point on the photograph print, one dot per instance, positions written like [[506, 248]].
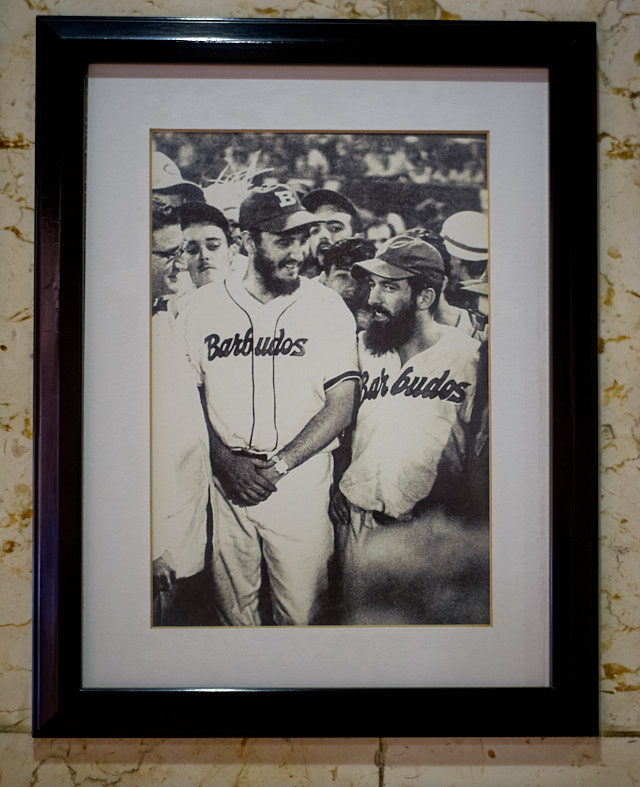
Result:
[[320, 413]]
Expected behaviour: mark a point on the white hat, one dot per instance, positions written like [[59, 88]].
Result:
[[466, 236], [166, 175]]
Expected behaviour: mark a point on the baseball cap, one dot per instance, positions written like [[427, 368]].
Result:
[[466, 236], [315, 199], [166, 176], [404, 256], [273, 209], [202, 213]]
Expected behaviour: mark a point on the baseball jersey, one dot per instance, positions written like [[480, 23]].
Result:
[[412, 418], [266, 367]]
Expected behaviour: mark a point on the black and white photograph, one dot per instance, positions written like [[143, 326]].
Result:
[[311, 319], [323, 442], [320, 412]]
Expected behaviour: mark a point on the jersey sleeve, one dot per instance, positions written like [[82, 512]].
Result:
[[340, 343]]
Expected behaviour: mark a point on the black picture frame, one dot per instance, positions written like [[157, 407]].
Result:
[[61, 706]]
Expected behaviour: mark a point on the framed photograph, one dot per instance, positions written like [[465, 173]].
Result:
[[315, 378]]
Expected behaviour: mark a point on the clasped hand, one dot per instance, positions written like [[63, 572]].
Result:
[[246, 480]]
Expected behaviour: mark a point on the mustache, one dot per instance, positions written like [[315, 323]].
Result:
[[379, 310]]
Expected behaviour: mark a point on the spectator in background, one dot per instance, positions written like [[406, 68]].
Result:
[[445, 313], [338, 218], [168, 188], [397, 223], [338, 261], [208, 246], [478, 467], [180, 470], [386, 159], [230, 187], [170, 279], [477, 292], [379, 231], [466, 238]]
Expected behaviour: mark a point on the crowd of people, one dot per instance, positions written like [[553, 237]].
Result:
[[416, 158], [320, 411]]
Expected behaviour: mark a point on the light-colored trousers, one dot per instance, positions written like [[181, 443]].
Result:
[[292, 531]]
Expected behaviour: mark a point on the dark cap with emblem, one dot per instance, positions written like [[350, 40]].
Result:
[[402, 257], [273, 209]]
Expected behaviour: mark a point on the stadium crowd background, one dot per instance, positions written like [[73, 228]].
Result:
[[415, 179]]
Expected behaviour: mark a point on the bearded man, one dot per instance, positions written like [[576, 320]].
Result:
[[408, 555], [275, 354], [337, 218]]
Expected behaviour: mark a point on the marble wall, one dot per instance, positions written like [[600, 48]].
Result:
[[614, 759]]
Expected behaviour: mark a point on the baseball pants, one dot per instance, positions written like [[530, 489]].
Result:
[[429, 569], [291, 530]]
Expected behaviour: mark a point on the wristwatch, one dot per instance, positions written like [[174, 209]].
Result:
[[281, 466]]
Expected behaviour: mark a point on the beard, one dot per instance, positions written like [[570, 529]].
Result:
[[318, 254], [384, 336], [267, 270]]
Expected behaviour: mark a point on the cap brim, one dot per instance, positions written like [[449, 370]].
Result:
[[381, 268], [477, 286], [289, 222], [316, 199], [192, 192]]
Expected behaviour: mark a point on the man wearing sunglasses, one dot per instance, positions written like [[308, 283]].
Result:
[[169, 276]]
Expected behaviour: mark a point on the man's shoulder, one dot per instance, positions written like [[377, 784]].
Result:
[[456, 341], [454, 350], [313, 291], [208, 305], [204, 297]]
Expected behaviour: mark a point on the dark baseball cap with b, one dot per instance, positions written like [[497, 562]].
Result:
[[402, 257], [273, 209]]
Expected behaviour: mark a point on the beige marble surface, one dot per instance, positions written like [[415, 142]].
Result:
[[606, 761]]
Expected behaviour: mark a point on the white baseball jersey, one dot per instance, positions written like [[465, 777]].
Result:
[[266, 367], [411, 417]]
